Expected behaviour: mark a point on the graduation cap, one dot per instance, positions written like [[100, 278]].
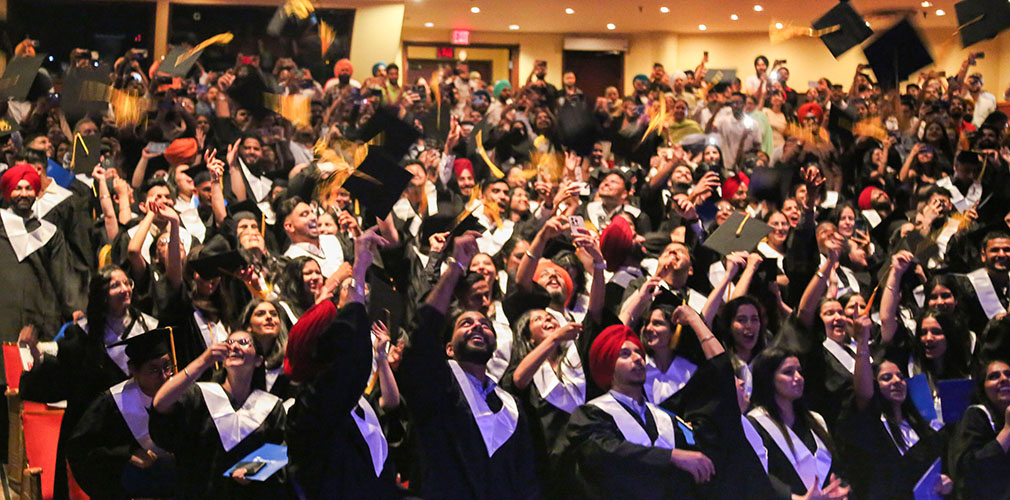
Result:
[[8, 126], [149, 345], [248, 92], [720, 75], [454, 224], [86, 154], [245, 209], [968, 157], [378, 182], [771, 184], [578, 129], [852, 28], [979, 20], [85, 92], [18, 79], [400, 135], [897, 53], [840, 125], [180, 60], [667, 298], [216, 258], [199, 173], [292, 19], [738, 233]]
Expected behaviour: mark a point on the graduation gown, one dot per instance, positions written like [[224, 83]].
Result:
[[797, 468], [335, 442], [205, 446], [875, 467], [70, 212], [39, 276], [608, 453], [106, 436], [462, 457], [981, 467], [192, 330]]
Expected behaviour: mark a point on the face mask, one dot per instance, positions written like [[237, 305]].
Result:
[[343, 79]]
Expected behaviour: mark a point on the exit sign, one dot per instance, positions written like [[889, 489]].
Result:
[[461, 37], [445, 53]]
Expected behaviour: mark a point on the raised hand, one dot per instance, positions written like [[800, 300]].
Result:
[[554, 226], [381, 342], [233, 152], [465, 248]]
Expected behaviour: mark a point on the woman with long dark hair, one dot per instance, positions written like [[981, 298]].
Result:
[[302, 285], [740, 326], [211, 426], [978, 452], [84, 365], [798, 444], [262, 319]]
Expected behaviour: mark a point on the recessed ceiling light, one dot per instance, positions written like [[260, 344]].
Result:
[[664, 10], [475, 10], [702, 27], [429, 25], [940, 12], [926, 4], [734, 17], [778, 26], [611, 26], [569, 10], [758, 8], [867, 24], [513, 27]]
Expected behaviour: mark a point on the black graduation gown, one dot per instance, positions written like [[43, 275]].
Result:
[[79, 373], [453, 457], [780, 469], [99, 450], [39, 290], [329, 458], [874, 466], [981, 467], [176, 310], [708, 401], [595, 461], [189, 432], [73, 216]]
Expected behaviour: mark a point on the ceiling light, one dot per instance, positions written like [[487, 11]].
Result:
[[611, 26], [664, 10], [940, 12], [758, 8], [569, 10], [778, 26], [475, 10], [926, 4], [867, 24], [702, 27], [733, 17], [513, 27], [429, 25]]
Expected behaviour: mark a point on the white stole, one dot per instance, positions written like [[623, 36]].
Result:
[[807, 466], [371, 432], [51, 197], [755, 441], [503, 346], [565, 395], [210, 332], [495, 428], [329, 254], [133, 405], [961, 202], [25, 242], [235, 425], [659, 386], [988, 415], [948, 231], [632, 430], [118, 353], [839, 353], [189, 215], [260, 187], [986, 293]]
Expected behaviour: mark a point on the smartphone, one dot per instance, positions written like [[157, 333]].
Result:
[[157, 147], [666, 153], [246, 60], [861, 226], [578, 224], [251, 468]]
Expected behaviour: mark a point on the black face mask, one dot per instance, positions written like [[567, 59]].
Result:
[[344, 79]]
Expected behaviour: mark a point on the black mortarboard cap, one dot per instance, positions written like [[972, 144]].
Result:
[[738, 233], [840, 124], [84, 92], [19, 76], [897, 53], [969, 157], [400, 135], [86, 154], [770, 184], [378, 182], [852, 28], [8, 126], [245, 206], [248, 93], [149, 345], [199, 173], [173, 66], [219, 264], [980, 20], [667, 298], [577, 129], [455, 225]]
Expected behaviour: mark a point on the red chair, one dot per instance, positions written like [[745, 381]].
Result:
[[42, 432]]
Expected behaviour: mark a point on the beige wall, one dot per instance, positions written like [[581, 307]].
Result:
[[374, 38]]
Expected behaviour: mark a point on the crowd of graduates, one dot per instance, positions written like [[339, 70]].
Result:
[[455, 288]]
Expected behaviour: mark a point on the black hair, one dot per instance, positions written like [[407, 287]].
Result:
[[908, 409], [760, 58], [958, 352], [997, 234], [153, 183], [33, 156], [979, 376], [219, 305], [392, 66], [274, 358], [98, 310], [292, 286], [764, 367], [722, 326]]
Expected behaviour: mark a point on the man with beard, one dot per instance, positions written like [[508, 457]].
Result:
[[958, 116], [619, 445], [674, 267], [245, 160], [990, 284], [985, 102], [472, 439], [537, 81], [35, 259], [301, 226]]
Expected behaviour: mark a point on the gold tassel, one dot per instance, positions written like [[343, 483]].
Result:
[[298, 8], [296, 108], [657, 119], [675, 338], [171, 341], [788, 31], [483, 154], [326, 36], [222, 38]]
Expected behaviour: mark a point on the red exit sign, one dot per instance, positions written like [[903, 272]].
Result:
[[461, 37], [445, 53]]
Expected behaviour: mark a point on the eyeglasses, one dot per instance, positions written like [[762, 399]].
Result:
[[244, 342]]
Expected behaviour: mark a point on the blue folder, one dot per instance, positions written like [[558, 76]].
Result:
[[275, 456], [955, 397], [925, 488], [922, 397]]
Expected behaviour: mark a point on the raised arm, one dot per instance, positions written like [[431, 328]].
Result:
[[464, 248], [734, 262], [598, 290], [633, 308], [175, 387], [819, 283], [528, 367], [135, 248], [216, 168], [140, 171], [754, 259], [173, 268], [710, 345], [389, 397], [109, 219], [890, 297], [528, 264], [235, 172]]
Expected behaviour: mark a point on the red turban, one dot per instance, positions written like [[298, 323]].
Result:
[[866, 197], [605, 350], [731, 185], [181, 151], [298, 363], [810, 107], [15, 174], [460, 165], [616, 242], [546, 264], [343, 64]]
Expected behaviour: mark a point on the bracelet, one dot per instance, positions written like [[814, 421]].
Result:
[[185, 370], [706, 339]]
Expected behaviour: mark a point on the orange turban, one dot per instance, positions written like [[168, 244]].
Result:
[[181, 151], [343, 64], [547, 264]]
